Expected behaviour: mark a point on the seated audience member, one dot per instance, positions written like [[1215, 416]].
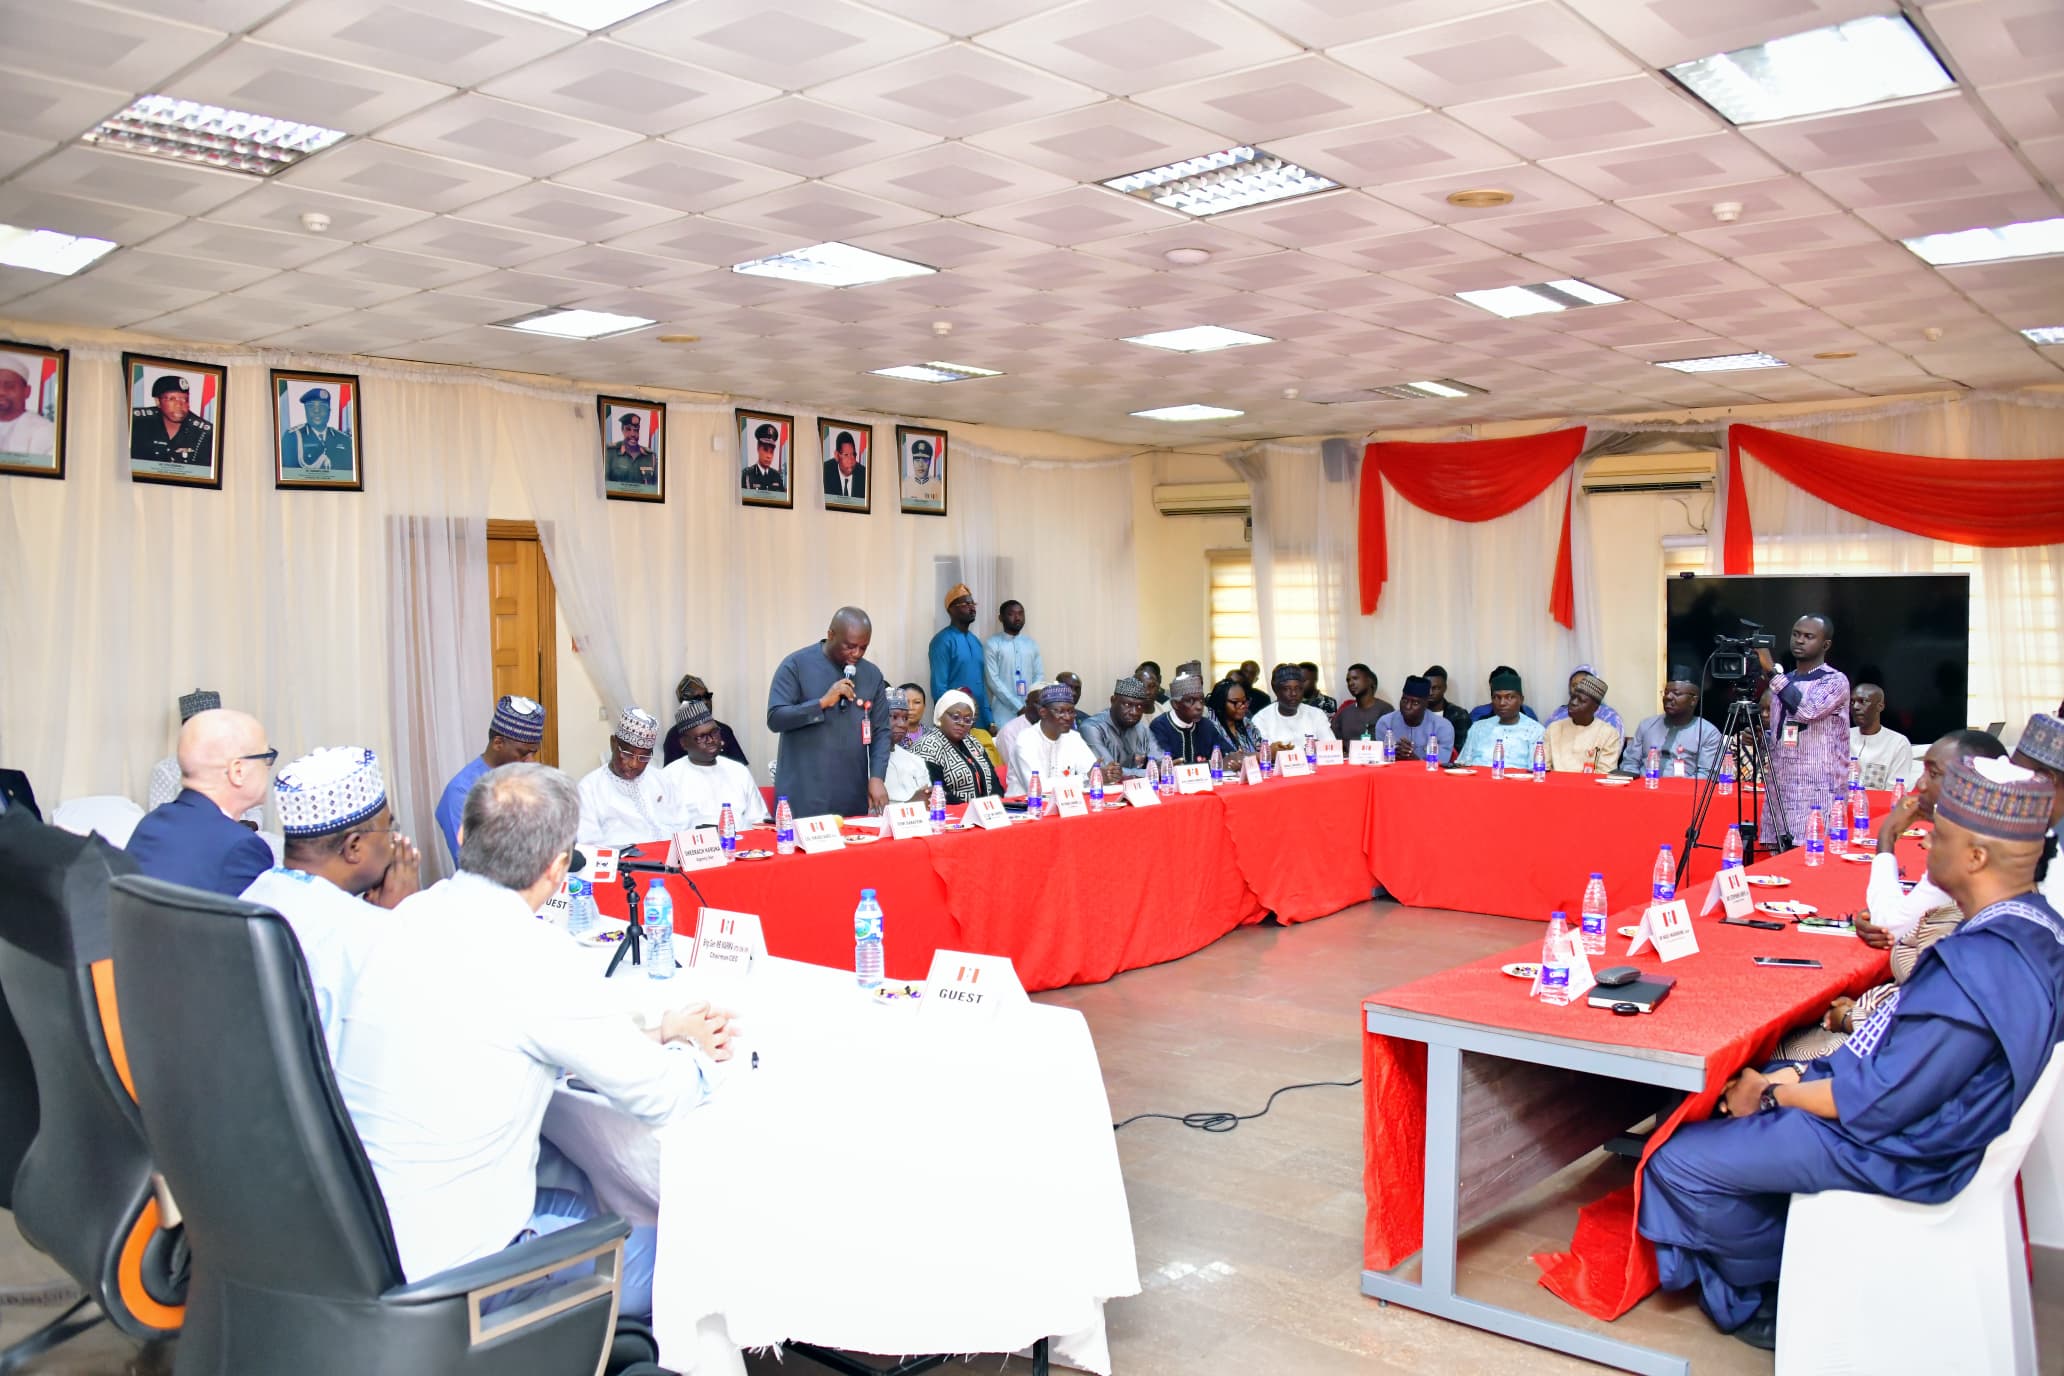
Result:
[[914, 701], [1074, 682], [1286, 722], [1414, 724], [1510, 724], [2041, 748], [1184, 733], [953, 760], [1581, 736], [1490, 709], [1908, 1105], [1457, 718], [164, 778], [702, 781], [1356, 718], [1258, 696], [1149, 673], [628, 799], [513, 736], [1313, 697], [1119, 735], [1605, 713], [1230, 703], [1885, 754], [1052, 748], [196, 840], [1011, 729], [1686, 744], [908, 779], [345, 866], [447, 1080], [1903, 923], [691, 690]]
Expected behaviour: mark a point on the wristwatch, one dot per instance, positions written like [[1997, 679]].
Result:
[[1767, 1102]]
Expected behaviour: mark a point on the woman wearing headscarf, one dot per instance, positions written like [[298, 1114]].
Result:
[[950, 754]]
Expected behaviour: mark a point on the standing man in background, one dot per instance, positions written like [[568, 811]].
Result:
[[1809, 742], [956, 654], [1011, 662], [829, 708], [1886, 755]]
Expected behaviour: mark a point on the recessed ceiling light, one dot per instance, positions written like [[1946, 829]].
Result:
[[1442, 387], [573, 324], [1191, 411], [2029, 239], [936, 371], [1565, 293], [46, 250], [2045, 334], [1836, 353], [833, 265], [585, 14], [1198, 339], [1226, 180], [1862, 62], [209, 136], [1481, 198], [1723, 363], [1188, 257]]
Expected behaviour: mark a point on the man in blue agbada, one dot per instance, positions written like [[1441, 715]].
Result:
[[1908, 1106]]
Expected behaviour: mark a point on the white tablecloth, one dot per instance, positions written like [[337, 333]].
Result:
[[884, 1182]]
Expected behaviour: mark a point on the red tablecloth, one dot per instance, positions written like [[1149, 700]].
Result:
[[1725, 1009], [1301, 844]]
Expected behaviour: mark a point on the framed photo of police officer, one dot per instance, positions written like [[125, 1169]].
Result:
[[32, 410], [766, 444], [315, 431], [848, 451], [923, 470], [633, 449], [175, 420]]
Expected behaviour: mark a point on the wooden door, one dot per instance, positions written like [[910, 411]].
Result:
[[519, 589]]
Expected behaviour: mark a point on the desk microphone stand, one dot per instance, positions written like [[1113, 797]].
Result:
[[628, 870]]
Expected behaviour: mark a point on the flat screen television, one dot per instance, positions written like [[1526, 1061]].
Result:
[[1908, 633]]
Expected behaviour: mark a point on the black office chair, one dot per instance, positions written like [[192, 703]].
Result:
[[82, 1193], [294, 1261]]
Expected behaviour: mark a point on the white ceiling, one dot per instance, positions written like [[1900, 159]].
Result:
[[501, 162]]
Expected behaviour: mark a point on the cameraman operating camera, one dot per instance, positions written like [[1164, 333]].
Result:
[[1808, 710]]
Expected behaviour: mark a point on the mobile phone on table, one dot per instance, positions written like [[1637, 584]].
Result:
[[1792, 962]]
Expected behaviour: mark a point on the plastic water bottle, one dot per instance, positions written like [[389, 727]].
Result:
[[784, 827], [1898, 790], [1859, 810], [727, 831], [1731, 849], [1838, 828], [1217, 766], [1035, 796], [1096, 788], [1167, 776], [659, 930], [1664, 887], [1432, 753], [1652, 769], [1311, 748], [938, 807], [581, 913], [867, 942], [1726, 776], [1154, 773], [1553, 986], [1019, 683], [1816, 838], [1389, 744], [1498, 759], [1595, 913], [1855, 770], [1540, 762], [1268, 763]]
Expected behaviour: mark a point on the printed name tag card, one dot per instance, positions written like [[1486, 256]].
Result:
[[987, 813], [1294, 765], [968, 987], [1250, 772], [1731, 890], [819, 834], [728, 943], [1332, 752], [1066, 800], [1667, 928], [1193, 778], [1140, 793], [1365, 752], [698, 849], [908, 819]]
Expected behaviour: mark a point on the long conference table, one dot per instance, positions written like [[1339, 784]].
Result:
[[1077, 900]]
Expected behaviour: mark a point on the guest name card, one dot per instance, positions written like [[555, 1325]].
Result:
[[1250, 772], [987, 813], [907, 820], [1365, 752], [1140, 793], [697, 849], [1733, 888], [819, 834], [1332, 752], [1667, 928], [1293, 765], [1193, 778], [728, 943], [1066, 799], [964, 987]]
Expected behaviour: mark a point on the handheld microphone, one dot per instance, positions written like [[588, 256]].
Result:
[[844, 702]]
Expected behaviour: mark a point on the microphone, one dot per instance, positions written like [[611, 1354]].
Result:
[[842, 702], [579, 863]]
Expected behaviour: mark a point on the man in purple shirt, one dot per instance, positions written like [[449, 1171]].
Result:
[[1809, 729]]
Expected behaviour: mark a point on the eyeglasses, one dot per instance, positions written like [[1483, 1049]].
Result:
[[271, 757]]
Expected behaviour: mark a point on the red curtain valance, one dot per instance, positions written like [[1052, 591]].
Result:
[[1471, 480], [1994, 503]]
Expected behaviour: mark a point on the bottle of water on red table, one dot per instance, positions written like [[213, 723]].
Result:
[[727, 831], [1855, 770], [1035, 796], [1389, 744], [1726, 775], [1553, 984], [1096, 788], [1816, 838], [659, 930], [1540, 762], [1664, 886], [1898, 790], [1217, 765], [1859, 813], [1311, 748], [1497, 759], [867, 941], [1168, 776], [1432, 753], [938, 807], [1838, 827], [784, 827], [1652, 769], [1731, 849], [1595, 914]]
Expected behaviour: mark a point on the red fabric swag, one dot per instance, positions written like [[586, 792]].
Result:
[[1473, 480], [1992, 503]]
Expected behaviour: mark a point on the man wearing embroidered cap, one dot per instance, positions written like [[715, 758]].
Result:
[[343, 858], [1908, 1105], [1019, 723], [1119, 735], [1582, 735], [313, 446], [2041, 749], [1051, 748], [164, 779], [627, 799], [956, 652], [1184, 733], [702, 780], [513, 737], [1285, 722], [1412, 728], [1605, 711], [1508, 722]]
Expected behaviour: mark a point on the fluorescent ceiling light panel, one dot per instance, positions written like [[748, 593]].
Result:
[[585, 14], [936, 371], [1563, 294], [1191, 411], [2045, 334], [1723, 363], [576, 324], [833, 265], [209, 136], [1443, 388], [1198, 339], [2029, 239], [1863, 62], [46, 250], [1229, 179]]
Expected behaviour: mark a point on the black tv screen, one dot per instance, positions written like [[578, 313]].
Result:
[[1908, 633]]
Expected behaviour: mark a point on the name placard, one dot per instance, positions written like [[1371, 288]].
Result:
[[819, 834], [1666, 927], [908, 819], [601, 864], [697, 849], [1250, 772], [728, 943], [1066, 798], [1193, 778], [1733, 888], [1292, 764], [1332, 752], [1365, 752], [1140, 793], [559, 907], [987, 813], [963, 986]]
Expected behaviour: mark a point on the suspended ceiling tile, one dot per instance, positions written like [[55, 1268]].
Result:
[[1971, 212], [123, 179], [1299, 95], [107, 305], [355, 220], [1755, 203], [1333, 217], [815, 212], [1924, 127], [711, 243], [2028, 109], [285, 84], [793, 44], [2048, 157], [522, 288], [964, 18], [1475, 274], [613, 267], [412, 270], [1331, 23], [31, 208], [489, 246], [952, 244], [321, 289], [804, 137], [511, 137], [1423, 248], [1623, 113], [1403, 149], [144, 267], [1101, 141], [569, 212], [1139, 46], [237, 319], [80, 41], [1820, 265], [627, 88], [1665, 32], [1078, 215], [1695, 281], [1676, 165], [955, 91], [1554, 230], [1778, 236], [458, 44], [1992, 41], [376, 171], [950, 179], [42, 107], [242, 247], [681, 178], [1538, 46], [1633, 255], [1533, 190], [356, 332]]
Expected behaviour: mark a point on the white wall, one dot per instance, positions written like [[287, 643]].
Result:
[[1174, 578], [1627, 534]]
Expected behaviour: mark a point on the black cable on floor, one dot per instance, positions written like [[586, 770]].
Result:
[[1222, 1121]]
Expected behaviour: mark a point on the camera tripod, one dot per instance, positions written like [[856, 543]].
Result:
[[1742, 737]]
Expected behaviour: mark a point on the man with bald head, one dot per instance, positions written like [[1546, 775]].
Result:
[[225, 768], [1884, 754], [829, 709]]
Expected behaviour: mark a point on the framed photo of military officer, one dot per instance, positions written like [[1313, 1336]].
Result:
[[766, 444], [923, 455], [32, 410], [175, 420], [633, 449], [848, 451], [315, 431]]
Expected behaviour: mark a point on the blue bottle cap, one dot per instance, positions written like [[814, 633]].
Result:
[[1597, 874], [866, 893]]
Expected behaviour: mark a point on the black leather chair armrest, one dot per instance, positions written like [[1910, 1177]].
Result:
[[538, 1253]]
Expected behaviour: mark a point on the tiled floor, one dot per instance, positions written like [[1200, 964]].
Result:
[[1249, 1242]]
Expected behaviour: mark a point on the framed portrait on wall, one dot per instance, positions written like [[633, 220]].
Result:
[[766, 448], [175, 420], [848, 451], [633, 449], [32, 410], [315, 431], [923, 469]]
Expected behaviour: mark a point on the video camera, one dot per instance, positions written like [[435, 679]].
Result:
[[1732, 654]]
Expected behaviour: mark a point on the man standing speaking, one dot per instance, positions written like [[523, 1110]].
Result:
[[829, 708]]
